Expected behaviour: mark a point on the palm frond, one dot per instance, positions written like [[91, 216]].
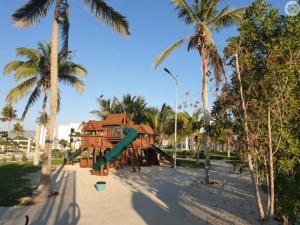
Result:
[[159, 59], [109, 16], [226, 18], [216, 63], [185, 12], [25, 71], [210, 9], [73, 81], [32, 99], [32, 12], [17, 93], [31, 54], [12, 66]]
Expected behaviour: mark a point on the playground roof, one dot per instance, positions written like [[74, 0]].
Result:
[[116, 119], [93, 125]]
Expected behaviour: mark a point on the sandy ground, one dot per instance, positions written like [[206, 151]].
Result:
[[154, 196]]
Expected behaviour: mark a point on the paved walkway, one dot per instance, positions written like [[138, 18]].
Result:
[[156, 195]]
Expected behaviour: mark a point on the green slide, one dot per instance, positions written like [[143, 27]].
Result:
[[71, 157], [112, 155]]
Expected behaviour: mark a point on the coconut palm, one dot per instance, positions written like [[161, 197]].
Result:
[[18, 130], [8, 114], [133, 106], [34, 74], [32, 12], [159, 120], [205, 17]]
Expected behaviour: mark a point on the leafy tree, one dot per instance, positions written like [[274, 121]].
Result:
[[18, 130], [8, 114], [205, 17], [265, 82], [133, 106], [32, 12], [34, 76], [161, 121]]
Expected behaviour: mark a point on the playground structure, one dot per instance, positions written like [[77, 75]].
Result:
[[115, 142]]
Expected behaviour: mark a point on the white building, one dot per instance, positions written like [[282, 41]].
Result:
[[62, 132]]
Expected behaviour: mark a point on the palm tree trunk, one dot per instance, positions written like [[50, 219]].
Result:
[[8, 129], [206, 112], [45, 181], [228, 147], [249, 156], [271, 180], [38, 131]]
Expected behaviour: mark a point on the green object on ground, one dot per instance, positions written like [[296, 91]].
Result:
[[112, 155], [100, 186]]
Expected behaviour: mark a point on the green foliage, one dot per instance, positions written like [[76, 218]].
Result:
[[4, 160], [24, 158], [57, 153], [269, 52], [13, 158], [15, 185], [18, 130], [34, 72]]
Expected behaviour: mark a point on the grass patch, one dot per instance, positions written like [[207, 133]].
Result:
[[57, 162], [14, 185], [189, 163]]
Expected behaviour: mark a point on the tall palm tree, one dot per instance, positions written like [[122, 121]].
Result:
[[159, 120], [18, 130], [32, 12], [34, 74], [8, 114], [205, 17]]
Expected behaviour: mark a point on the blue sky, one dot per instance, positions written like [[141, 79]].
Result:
[[116, 65]]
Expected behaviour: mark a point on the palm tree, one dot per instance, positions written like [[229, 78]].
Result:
[[133, 106], [205, 17], [32, 12], [8, 114], [18, 130], [160, 121], [35, 69]]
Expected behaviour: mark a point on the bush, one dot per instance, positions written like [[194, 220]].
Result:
[[4, 160], [56, 153], [24, 158], [13, 158]]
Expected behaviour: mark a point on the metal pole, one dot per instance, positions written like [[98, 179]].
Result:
[[175, 138], [175, 78]]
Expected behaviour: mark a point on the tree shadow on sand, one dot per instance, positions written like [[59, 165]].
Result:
[[165, 196], [59, 210]]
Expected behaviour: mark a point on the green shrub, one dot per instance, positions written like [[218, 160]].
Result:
[[4, 160], [13, 158], [24, 158]]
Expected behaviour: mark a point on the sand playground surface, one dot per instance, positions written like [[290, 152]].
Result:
[[156, 195]]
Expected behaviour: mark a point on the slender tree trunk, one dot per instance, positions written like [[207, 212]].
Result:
[[271, 180], [45, 188], [206, 111], [228, 148], [249, 156], [8, 129], [38, 131]]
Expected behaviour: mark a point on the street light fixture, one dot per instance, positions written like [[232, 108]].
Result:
[[175, 78]]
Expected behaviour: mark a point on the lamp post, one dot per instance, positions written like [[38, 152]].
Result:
[[175, 78]]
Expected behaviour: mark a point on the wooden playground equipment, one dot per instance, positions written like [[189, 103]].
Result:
[[115, 142]]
